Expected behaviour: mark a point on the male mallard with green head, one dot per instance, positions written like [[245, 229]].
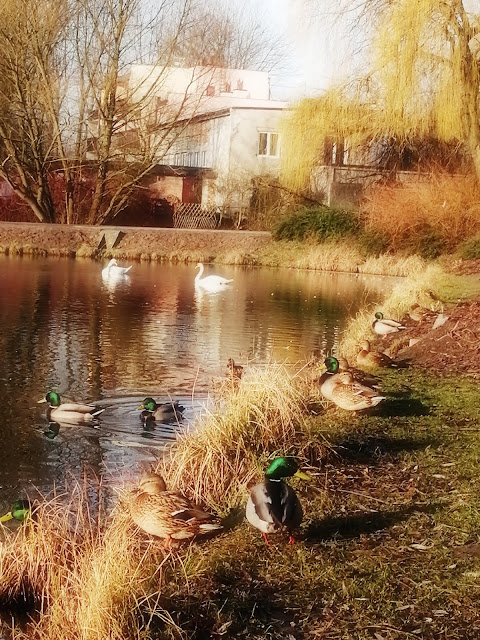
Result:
[[167, 514], [20, 510], [69, 412], [166, 412], [384, 326], [327, 379], [273, 505]]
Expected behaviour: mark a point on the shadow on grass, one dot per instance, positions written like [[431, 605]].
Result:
[[401, 404], [353, 526], [366, 449]]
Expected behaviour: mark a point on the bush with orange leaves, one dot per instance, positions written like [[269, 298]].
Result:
[[429, 217]]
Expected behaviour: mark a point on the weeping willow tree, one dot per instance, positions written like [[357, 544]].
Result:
[[423, 82]]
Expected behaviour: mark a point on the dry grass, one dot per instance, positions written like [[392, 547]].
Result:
[[341, 256], [92, 577], [229, 447], [447, 206], [430, 287]]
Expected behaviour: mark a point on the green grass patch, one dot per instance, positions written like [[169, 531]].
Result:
[[383, 547]]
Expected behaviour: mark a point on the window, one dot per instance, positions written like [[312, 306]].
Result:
[[239, 85], [210, 90], [268, 144]]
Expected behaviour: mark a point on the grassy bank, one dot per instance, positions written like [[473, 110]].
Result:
[[383, 551], [431, 287], [389, 547], [239, 248]]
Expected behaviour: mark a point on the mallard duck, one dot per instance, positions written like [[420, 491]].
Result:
[[165, 412], [167, 514], [368, 358], [351, 396], [384, 326], [234, 371], [209, 282], [418, 313], [362, 377], [112, 270], [69, 413], [20, 510], [273, 505], [327, 379]]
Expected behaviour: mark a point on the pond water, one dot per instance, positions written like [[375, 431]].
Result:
[[152, 333]]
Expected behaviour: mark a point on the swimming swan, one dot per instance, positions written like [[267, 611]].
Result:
[[209, 282], [112, 270]]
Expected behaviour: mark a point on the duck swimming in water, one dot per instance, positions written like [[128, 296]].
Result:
[[69, 412], [165, 412], [273, 505]]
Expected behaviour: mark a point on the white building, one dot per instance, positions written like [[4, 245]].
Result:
[[226, 131]]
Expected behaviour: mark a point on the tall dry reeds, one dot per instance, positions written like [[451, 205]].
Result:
[[215, 463], [89, 575], [444, 210]]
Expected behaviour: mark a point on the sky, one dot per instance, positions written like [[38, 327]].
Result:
[[313, 47]]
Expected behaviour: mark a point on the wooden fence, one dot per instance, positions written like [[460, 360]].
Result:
[[194, 216]]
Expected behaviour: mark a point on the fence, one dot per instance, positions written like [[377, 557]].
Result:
[[194, 216]]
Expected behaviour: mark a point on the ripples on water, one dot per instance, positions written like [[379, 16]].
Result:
[[149, 334]]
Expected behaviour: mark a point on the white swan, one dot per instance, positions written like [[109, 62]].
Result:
[[112, 270], [210, 282]]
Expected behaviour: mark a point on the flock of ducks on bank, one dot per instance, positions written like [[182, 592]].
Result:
[[273, 505]]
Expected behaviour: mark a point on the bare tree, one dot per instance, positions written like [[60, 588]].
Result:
[[78, 129], [221, 35]]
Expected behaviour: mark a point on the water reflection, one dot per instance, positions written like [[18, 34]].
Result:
[[150, 333]]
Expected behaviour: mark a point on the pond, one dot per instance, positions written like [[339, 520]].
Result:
[[152, 333]]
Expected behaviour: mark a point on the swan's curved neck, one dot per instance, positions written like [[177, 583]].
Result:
[[200, 271]]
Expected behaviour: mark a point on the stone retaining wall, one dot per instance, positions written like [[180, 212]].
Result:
[[134, 242]]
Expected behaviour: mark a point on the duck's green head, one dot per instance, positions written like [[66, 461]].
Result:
[[52, 398], [149, 404], [20, 511], [379, 315], [332, 364], [284, 467]]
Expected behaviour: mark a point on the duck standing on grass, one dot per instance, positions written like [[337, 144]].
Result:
[[360, 376], [273, 505], [167, 514], [384, 326], [165, 412], [69, 412]]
